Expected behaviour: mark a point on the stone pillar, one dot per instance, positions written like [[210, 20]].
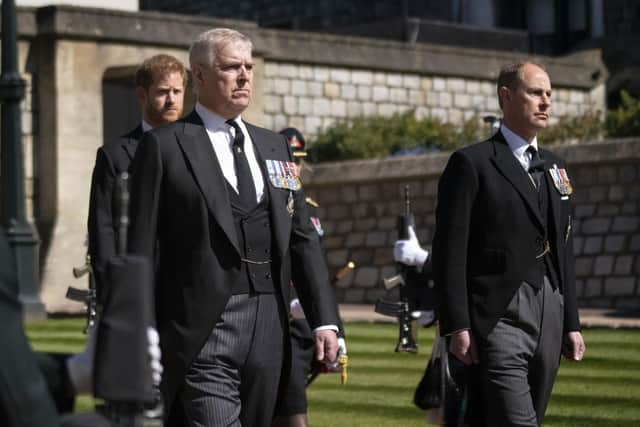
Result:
[[541, 16], [480, 13], [596, 23], [578, 13]]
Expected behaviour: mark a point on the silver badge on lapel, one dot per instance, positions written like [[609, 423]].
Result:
[[561, 180], [283, 174], [290, 208]]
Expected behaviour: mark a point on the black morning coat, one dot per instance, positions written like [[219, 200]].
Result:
[[179, 201], [489, 232], [112, 159]]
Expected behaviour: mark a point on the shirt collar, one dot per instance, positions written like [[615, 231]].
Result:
[[213, 121], [517, 144], [146, 127]]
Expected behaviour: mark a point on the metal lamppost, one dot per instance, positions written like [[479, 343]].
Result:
[[21, 235]]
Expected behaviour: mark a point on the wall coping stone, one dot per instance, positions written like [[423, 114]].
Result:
[[429, 165]]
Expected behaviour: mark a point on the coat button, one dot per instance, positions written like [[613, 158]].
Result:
[[267, 276]]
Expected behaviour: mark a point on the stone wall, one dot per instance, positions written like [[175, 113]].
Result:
[[360, 201], [313, 96]]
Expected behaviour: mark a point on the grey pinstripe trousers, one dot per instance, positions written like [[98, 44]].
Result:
[[520, 358], [234, 380]]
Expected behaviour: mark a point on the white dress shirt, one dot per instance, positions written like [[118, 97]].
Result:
[[519, 145], [221, 136]]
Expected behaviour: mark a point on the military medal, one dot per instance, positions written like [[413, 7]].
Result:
[[283, 174], [561, 180], [316, 224], [290, 207]]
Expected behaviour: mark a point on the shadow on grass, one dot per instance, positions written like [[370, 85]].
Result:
[[391, 412], [355, 388], [610, 363], [603, 380], [401, 370], [573, 420], [561, 400]]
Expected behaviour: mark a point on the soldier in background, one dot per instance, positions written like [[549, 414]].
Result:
[[292, 406]]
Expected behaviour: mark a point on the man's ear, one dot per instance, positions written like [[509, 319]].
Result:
[[196, 75], [504, 93]]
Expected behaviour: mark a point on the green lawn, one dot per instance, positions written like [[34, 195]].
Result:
[[603, 390]]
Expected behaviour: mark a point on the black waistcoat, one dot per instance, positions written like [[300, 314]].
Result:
[[254, 232], [547, 263]]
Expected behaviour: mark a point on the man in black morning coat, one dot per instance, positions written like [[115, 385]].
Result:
[[160, 83], [222, 204], [503, 258]]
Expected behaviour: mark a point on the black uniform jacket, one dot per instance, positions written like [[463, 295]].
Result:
[[180, 207], [488, 233], [112, 159]]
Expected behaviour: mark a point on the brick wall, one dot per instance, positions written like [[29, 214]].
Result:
[[360, 201]]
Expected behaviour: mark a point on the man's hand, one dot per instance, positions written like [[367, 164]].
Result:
[[573, 347], [326, 345], [463, 346], [409, 252]]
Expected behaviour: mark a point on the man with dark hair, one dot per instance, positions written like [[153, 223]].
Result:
[[503, 259], [221, 202], [160, 84]]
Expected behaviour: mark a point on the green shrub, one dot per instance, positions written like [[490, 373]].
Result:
[[377, 137], [625, 120], [579, 128]]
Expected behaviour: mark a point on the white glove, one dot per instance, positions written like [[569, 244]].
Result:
[[342, 347], [296, 309], [80, 366], [155, 355], [409, 252]]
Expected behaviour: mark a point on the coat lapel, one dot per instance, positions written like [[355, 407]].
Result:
[[511, 169], [196, 145], [266, 149]]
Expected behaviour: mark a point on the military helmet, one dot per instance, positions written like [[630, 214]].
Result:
[[296, 141]]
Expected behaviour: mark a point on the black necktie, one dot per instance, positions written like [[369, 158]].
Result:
[[536, 167], [246, 187]]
